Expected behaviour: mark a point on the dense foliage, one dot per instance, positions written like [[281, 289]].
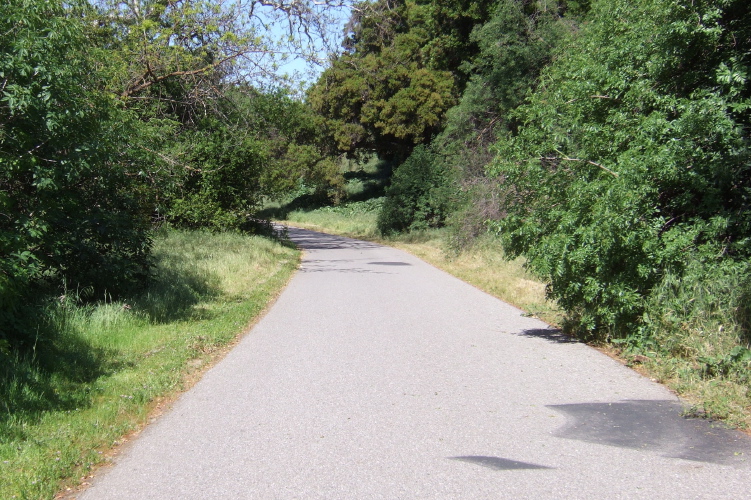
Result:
[[633, 160], [117, 115], [262, 144], [401, 72], [516, 43], [69, 209], [419, 196]]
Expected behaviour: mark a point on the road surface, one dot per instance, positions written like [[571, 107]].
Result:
[[376, 375]]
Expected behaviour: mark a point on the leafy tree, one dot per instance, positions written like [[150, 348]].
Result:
[[69, 213], [514, 46], [632, 159], [419, 195], [188, 71], [193, 44], [257, 145], [406, 63], [299, 150], [391, 88], [222, 191]]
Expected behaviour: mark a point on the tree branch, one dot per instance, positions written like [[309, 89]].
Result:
[[566, 158], [156, 79]]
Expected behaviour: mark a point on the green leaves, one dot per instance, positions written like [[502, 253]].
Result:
[[632, 154], [260, 145], [68, 213], [401, 73], [419, 195]]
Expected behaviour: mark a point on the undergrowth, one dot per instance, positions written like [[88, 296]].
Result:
[[695, 338]]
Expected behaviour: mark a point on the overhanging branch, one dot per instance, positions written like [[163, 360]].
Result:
[[566, 158], [156, 79]]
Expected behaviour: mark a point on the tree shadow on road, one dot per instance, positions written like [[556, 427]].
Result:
[[313, 240], [498, 463], [550, 334], [654, 425]]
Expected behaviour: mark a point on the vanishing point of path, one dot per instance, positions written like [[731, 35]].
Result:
[[377, 376]]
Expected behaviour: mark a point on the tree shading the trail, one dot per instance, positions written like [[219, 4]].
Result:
[[70, 211]]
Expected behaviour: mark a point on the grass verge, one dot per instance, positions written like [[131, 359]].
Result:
[[98, 371]]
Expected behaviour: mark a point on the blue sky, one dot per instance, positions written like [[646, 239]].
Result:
[[309, 72]]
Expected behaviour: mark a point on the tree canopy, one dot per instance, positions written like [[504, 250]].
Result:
[[400, 73]]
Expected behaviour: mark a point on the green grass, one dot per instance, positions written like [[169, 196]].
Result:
[[98, 371], [357, 219], [700, 344]]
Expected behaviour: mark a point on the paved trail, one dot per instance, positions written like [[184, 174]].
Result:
[[377, 376]]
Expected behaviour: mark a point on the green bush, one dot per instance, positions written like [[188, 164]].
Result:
[[222, 188], [197, 210], [632, 156], [419, 194], [70, 212]]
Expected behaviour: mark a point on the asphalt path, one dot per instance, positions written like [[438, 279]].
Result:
[[375, 375]]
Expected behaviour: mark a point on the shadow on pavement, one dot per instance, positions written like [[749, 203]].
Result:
[[312, 240], [328, 266], [497, 463], [654, 425], [549, 334]]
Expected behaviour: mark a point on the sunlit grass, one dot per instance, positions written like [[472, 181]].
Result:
[[356, 219], [700, 345], [104, 367]]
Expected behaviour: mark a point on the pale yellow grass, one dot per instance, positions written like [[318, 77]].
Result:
[[485, 267]]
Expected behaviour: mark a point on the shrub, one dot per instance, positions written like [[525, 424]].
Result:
[[419, 195], [632, 156], [70, 215]]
